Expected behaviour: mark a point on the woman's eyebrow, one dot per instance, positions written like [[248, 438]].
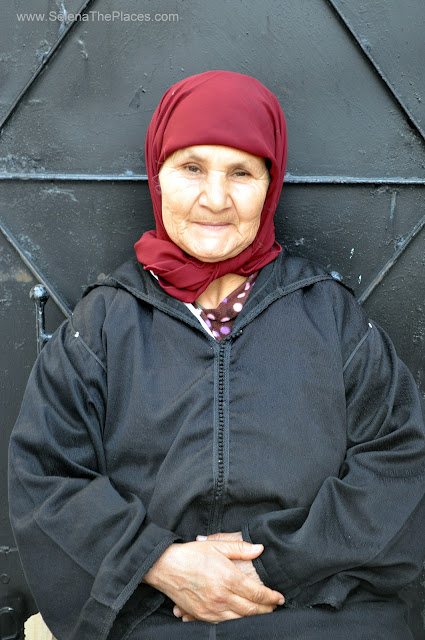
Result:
[[190, 156], [194, 157]]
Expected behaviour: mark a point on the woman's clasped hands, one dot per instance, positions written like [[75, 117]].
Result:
[[213, 579]]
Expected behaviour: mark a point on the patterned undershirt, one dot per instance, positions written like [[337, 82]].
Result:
[[221, 319]]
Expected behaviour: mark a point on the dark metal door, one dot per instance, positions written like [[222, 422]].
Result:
[[79, 82]]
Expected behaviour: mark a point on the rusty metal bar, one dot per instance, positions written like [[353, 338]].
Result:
[[41, 66], [410, 117], [35, 271], [289, 179], [391, 262]]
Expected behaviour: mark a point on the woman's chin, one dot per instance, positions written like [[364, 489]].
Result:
[[211, 251], [214, 256], [210, 257]]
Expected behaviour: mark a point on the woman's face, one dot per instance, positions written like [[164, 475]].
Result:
[[212, 198]]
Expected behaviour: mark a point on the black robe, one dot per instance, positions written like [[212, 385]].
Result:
[[302, 429]]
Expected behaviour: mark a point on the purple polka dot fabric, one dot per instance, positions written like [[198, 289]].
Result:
[[221, 319]]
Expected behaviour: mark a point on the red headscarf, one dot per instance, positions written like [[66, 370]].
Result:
[[220, 108]]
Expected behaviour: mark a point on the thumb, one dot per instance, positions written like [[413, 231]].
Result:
[[237, 550]]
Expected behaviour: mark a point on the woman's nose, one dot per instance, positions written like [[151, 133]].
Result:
[[215, 193]]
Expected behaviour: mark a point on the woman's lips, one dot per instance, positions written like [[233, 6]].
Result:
[[213, 226]]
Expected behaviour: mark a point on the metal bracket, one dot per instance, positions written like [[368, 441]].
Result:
[[40, 295]]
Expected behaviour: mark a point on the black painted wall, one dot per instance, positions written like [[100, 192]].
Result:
[[75, 100]]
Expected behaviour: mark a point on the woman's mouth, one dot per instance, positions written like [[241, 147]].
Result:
[[213, 226]]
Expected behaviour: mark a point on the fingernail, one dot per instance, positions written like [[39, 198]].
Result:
[[177, 612], [185, 619], [201, 538], [281, 600], [257, 547]]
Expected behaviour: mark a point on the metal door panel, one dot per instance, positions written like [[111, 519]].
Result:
[[93, 110], [24, 44], [392, 34], [74, 197], [78, 230]]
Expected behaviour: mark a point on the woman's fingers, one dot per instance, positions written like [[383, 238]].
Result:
[[238, 582], [237, 549], [201, 579], [240, 550], [245, 566], [254, 592], [183, 615], [244, 608], [246, 594]]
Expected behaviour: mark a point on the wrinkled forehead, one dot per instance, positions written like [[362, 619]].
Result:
[[216, 156]]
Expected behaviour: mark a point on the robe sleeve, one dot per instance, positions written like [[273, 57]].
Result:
[[85, 544], [365, 527]]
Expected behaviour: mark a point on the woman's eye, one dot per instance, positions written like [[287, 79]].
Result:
[[192, 168], [241, 173]]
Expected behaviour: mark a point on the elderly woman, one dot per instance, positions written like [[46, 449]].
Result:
[[219, 431]]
